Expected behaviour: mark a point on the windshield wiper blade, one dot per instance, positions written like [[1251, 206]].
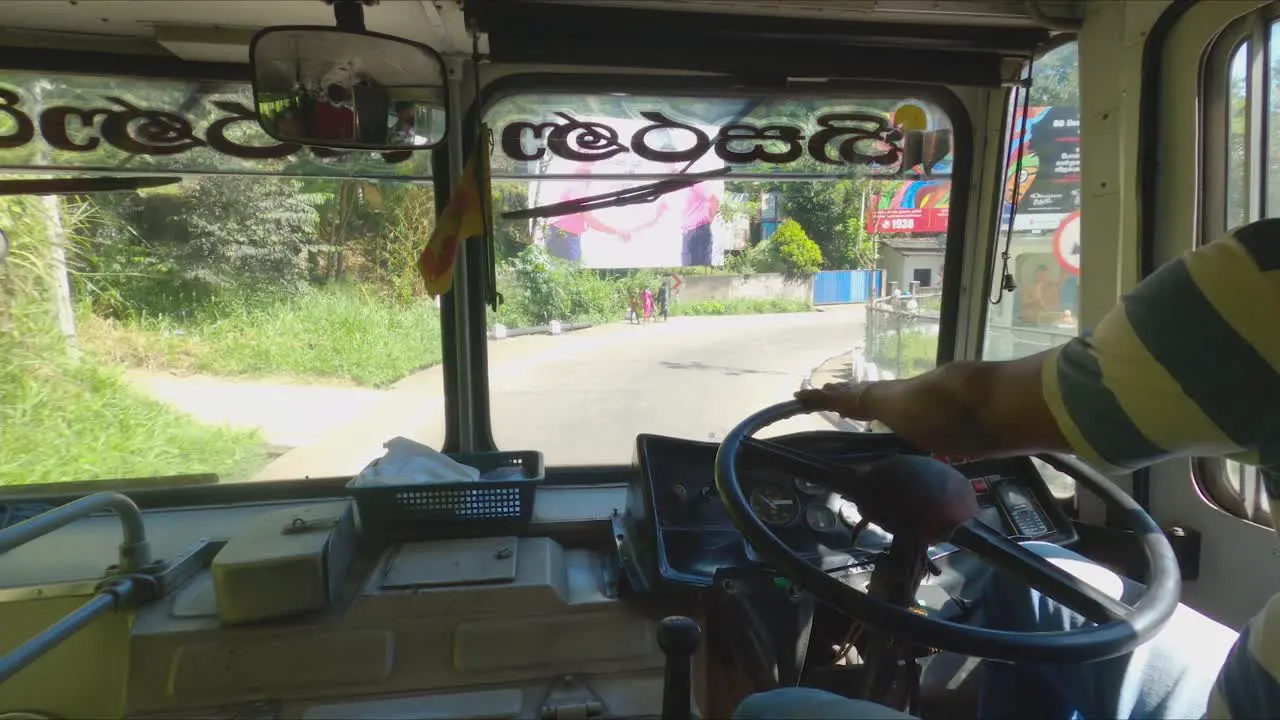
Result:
[[82, 185], [637, 195]]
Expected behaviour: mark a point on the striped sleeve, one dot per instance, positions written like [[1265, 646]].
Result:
[[1187, 364], [1247, 686]]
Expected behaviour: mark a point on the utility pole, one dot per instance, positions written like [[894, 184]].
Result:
[[56, 239]]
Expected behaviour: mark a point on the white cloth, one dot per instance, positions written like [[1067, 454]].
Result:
[[408, 463]]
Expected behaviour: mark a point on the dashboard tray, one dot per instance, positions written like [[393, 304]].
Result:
[[500, 503]]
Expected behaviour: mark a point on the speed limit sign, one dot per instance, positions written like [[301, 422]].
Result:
[[1066, 243]]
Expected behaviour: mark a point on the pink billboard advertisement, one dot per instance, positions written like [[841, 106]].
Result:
[[680, 229]]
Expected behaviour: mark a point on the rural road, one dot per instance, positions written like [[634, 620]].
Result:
[[580, 398]]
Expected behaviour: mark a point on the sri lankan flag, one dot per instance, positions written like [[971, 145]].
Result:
[[466, 216]]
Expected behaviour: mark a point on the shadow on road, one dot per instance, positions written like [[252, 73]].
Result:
[[731, 371]]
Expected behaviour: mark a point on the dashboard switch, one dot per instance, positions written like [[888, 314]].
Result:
[[980, 485]]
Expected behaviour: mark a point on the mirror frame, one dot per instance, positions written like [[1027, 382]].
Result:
[[425, 49]]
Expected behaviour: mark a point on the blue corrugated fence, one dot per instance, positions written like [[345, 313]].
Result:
[[836, 287]]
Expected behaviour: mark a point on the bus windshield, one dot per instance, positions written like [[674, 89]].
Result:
[[254, 322], [683, 315]]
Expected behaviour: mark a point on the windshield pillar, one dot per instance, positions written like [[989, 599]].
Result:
[[465, 430]]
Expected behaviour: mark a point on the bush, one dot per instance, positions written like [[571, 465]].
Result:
[[754, 259], [798, 254], [538, 288], [166, 251]]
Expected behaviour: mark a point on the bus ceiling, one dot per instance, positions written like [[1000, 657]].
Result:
[[942, 41]]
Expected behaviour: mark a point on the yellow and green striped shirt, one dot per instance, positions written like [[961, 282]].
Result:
[[1189, 364]]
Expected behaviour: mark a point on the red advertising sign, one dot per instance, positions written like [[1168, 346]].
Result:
[[922, 221]]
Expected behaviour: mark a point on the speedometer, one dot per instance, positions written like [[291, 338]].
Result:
[[775, 504]]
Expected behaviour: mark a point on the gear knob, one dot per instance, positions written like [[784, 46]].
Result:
[[678, 637]]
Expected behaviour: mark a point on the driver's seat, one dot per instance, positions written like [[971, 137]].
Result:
[[950, 686], [810, 704], [949, 690]]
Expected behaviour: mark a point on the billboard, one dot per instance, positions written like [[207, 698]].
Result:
[[680, 229], [1050, 179], [918, 207], [1048, 186]]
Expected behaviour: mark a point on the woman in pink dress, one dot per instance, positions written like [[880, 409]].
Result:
[[647, 297]]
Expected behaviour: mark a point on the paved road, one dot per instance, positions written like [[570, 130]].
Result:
[[695, 378], [580, 398]]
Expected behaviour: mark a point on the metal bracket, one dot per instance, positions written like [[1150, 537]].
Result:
[[571, 699], [625, 556], [158, 579]]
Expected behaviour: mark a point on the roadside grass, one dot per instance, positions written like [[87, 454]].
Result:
[[341, 334], [63, 421], [740, 306]]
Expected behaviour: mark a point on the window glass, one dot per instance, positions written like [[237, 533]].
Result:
[[1272, 141], [1042, 310], [1237, 108], [1233, 486], [256, 320], [820, 252]]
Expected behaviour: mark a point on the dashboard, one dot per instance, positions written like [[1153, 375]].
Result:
[[679, 532]]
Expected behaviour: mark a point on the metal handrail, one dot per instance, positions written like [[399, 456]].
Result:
[[135, 550], [132, 580]]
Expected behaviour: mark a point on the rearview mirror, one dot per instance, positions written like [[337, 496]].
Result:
[[327, 87]]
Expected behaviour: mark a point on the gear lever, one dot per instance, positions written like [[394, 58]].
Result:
[[678, 637]]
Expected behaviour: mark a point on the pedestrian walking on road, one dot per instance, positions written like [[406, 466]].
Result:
[[663, 301], [647, 297]]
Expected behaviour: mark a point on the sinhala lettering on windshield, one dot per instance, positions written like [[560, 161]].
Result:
[[92, 124], [841, 138]]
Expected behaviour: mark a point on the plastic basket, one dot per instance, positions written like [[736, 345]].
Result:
[[494, 505]]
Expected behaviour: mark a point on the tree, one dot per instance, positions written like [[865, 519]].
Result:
[[1055, 78]]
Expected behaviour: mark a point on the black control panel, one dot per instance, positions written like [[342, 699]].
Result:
[[678, 532]]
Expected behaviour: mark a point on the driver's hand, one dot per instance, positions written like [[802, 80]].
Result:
[[842, 398]]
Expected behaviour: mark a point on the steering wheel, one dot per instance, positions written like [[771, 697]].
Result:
[[921, 500]]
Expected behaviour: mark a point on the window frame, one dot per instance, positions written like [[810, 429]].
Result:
[[1210, 474], [712, 86]]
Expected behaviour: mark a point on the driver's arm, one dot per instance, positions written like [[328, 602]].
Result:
[[1185, 364]]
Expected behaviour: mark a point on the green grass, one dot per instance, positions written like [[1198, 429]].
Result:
[[333, 333], [64, 421], [740, 306]]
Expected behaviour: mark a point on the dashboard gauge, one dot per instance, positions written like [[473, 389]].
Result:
[[849, 514], [820, 518], [775, 504], [810, 488]]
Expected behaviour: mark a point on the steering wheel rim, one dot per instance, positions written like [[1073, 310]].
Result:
[[1087, 644]]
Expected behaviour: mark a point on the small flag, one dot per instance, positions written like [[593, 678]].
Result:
[[464, 217]]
